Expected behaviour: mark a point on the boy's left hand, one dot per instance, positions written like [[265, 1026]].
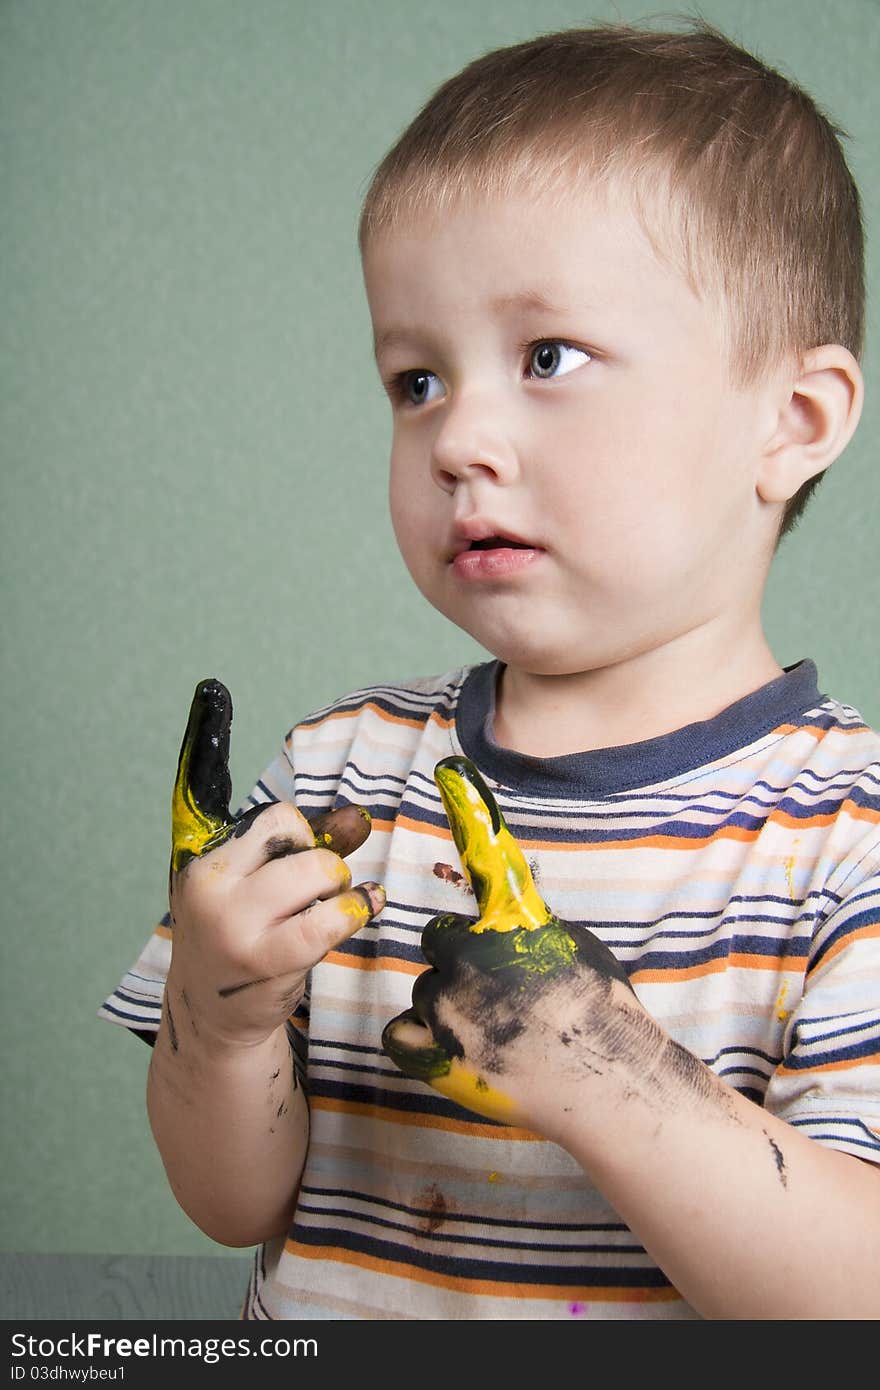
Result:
[[521, 1008]]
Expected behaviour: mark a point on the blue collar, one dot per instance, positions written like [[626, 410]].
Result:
[[606, 771]]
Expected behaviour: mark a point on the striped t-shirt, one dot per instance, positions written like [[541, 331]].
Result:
[[733, 867]]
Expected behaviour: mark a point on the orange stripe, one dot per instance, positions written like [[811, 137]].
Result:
[[163, 931], [381, 825], [845, 1065], [419, 827], [860, 812], [492, 1287], [412, 723], [445, 722], [818, 731], [403, 967], [861, 933], [687, 843], [736, 960], [408, 1117], [802, 822], [726, 832], [681, 842]]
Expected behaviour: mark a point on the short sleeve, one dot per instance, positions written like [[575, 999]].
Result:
[[828, 1084]]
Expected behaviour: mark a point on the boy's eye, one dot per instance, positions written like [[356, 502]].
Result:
[[549, 359], [419, 386]]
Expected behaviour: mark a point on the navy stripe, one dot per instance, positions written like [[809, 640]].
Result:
[[727, 1072], [869, 1144], [756, 1052], [869, 917], [458, 1238], [331, 1043], [140, 1000], [719, 950], [367, 948], [836, 1022], [425, 1102], [481, 1271], [632, 804], [481, 1219], [133, 1019], [694, 831], [419, 711], [856, 1052]]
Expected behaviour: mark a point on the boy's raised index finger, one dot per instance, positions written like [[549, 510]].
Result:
[[493, 862], [200, 807], [200, 815]]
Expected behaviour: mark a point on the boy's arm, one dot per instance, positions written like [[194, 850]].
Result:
[[530, 1019], [231, 1125], [747, 1217], [255, 903]]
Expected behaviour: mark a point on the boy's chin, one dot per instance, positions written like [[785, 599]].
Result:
[[532, 657], [529, 644]]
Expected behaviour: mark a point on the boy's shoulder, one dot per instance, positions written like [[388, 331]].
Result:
[[369, 742], [415, 698], [844, 729]]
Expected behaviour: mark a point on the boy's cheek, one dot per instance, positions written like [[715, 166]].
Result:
[[408, 497]]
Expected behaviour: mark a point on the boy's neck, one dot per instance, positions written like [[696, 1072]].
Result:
[[654, 693]]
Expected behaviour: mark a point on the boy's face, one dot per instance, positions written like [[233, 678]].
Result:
[[557, 387]]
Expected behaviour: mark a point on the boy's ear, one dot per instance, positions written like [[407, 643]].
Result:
[[815, 423]]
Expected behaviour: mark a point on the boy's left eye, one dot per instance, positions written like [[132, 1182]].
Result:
[[550, 358]]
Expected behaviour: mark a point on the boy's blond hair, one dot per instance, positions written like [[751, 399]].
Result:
[[738, 178]]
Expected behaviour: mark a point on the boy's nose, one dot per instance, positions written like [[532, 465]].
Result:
[[473, 441]]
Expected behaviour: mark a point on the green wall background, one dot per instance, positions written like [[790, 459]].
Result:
[[194, 445]]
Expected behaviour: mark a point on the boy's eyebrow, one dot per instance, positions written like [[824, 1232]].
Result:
[[501, 304], [524, 299], [389, 338]]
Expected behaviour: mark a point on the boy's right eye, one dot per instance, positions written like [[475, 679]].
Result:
[[417, 387]]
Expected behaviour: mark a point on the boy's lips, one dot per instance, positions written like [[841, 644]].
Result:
[[483, 550]]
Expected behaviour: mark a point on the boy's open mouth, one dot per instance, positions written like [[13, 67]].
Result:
[[503, 555], [499, 543]]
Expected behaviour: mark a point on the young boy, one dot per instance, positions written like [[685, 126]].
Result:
[[615, 281]]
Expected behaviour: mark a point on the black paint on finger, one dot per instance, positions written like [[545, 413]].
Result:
[[208, 738], [200, 817], [244, 822]]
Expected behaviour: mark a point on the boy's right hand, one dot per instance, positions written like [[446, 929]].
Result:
[[255, 901]]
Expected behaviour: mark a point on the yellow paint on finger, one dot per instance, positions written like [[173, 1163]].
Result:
[[353, 906], [192, 832], [495, 866], [469, 1089]]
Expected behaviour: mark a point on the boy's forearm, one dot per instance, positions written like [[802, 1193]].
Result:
[[232, 1127], [747, 1217]]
